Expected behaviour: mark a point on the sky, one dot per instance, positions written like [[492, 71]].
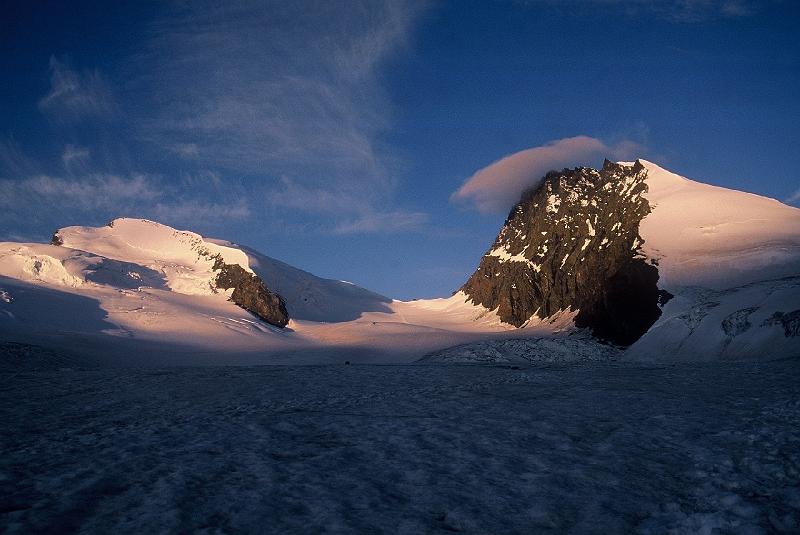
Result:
[[379, 142]]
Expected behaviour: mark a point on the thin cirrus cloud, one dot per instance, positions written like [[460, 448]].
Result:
[[287, 94], [75, 155], [394, 221], [352, 216], [54, 200], [14, 161], [680, 11], [75, 95], [498, 186], [93, 192], [267, 104], [186, 150]]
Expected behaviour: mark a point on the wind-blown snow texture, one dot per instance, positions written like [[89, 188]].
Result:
[[590, 448], [546, 349]]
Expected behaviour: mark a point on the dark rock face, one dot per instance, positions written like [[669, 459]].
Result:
[[572, 243], [738, 322], [789, 321], [627, 306], [250, 293], [56, 239]]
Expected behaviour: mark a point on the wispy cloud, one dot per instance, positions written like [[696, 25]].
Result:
[[55, 200], [390, 222], [794, 197], [496, 187], [349, 213], [266, 108], [287, 92], [14, 162], [75, 157], [74, 95], [89, 193], [186, 150], [683, 11], [190, 212]]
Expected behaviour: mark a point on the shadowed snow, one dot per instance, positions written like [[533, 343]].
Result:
[[594, 448]]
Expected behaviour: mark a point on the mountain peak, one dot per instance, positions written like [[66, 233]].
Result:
[[190, 264], [572, 244], [610, 245]]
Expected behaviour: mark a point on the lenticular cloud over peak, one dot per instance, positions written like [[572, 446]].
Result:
[[496, 187]]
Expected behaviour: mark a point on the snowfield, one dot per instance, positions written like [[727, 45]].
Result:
[[546, 349], [595, 447], [704, 235]]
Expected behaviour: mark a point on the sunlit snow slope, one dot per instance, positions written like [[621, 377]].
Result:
[[183, 258], [703, 235], [732, 260], [140, 291]]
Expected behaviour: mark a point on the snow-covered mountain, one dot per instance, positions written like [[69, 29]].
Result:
[[732, 260], [137, 288], [312, 298], [632, 253], [636, 253], [571, 244], [186, 263]]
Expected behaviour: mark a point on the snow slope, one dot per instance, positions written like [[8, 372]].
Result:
[[703, 235], [144, 290], [732, 261], [309, 297], [184, 258], [759, 320], [137, 284]]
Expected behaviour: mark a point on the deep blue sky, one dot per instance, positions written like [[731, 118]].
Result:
[[333, 135]]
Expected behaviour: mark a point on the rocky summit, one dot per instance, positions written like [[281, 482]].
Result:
[[572, 243]]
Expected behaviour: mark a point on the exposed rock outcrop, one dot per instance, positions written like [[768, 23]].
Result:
[[789, 321], [572, 243], [250, 293]]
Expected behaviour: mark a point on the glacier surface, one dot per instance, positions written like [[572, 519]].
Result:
[[583, 448]]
